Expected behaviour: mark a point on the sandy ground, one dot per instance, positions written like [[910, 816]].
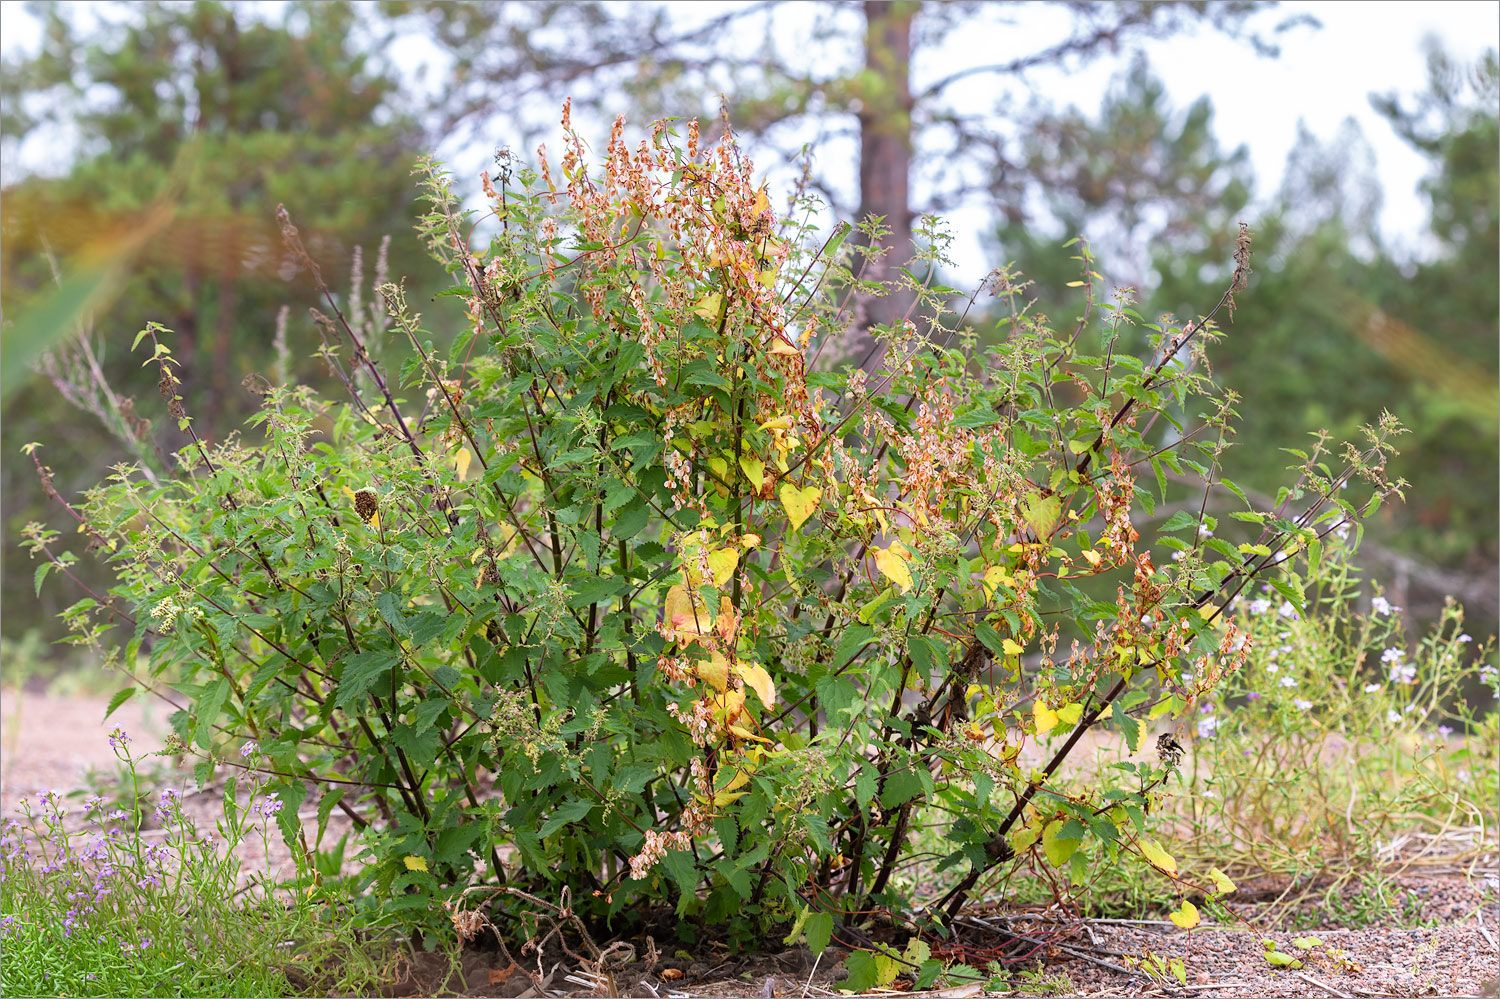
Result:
[[54, 742]]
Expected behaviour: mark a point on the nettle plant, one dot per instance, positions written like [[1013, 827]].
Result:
[[636, 594]]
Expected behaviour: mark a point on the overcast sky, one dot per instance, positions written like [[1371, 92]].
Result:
[[1322, 77]]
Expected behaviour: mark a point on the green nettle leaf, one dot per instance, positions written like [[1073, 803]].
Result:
[[819, 929], [863, 971], [1059, 848], [901, 787]]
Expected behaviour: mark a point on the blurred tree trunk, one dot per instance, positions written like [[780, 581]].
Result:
[[885, 158]]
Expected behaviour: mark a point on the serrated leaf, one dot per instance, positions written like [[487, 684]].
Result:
[[120, 697], [1011, 647], [415, 863], [1069, 714], [819, 930], [1057, 848], [862, 971]]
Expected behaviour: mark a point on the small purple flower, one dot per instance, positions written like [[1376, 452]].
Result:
[[1466, 637], [1382, 606], [1300, 704], [1445, 730], [1253, 696], [249, 749], [1392, 655], [118, 740], [1207, 726], [1259, 606], [166, 802], [1372, 688], [1286, 610], [268, 807]]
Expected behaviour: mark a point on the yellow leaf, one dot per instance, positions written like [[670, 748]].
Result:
[[745, 733], [708, 307], [461, 463], [1011, 647], [1046, 718], [1186, 916], [993, 577], [1025, 837], [779, 346], [777, 423], [758, 680], [714, 671], [739, 780], [415, 863], [891, 562], [1069, 714], [799, 503], [1157, 856], [754, 470], [678, 603], [684, 618], [733, 703], [720, 469], [1222, 884], [750, 540], [722, 564], [1093, 558], [722, 798]]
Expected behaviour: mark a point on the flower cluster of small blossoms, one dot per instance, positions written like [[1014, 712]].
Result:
[[654, 849], [935, 455], [1115, 495], [693, 820], [268, 807], [699, 721]]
